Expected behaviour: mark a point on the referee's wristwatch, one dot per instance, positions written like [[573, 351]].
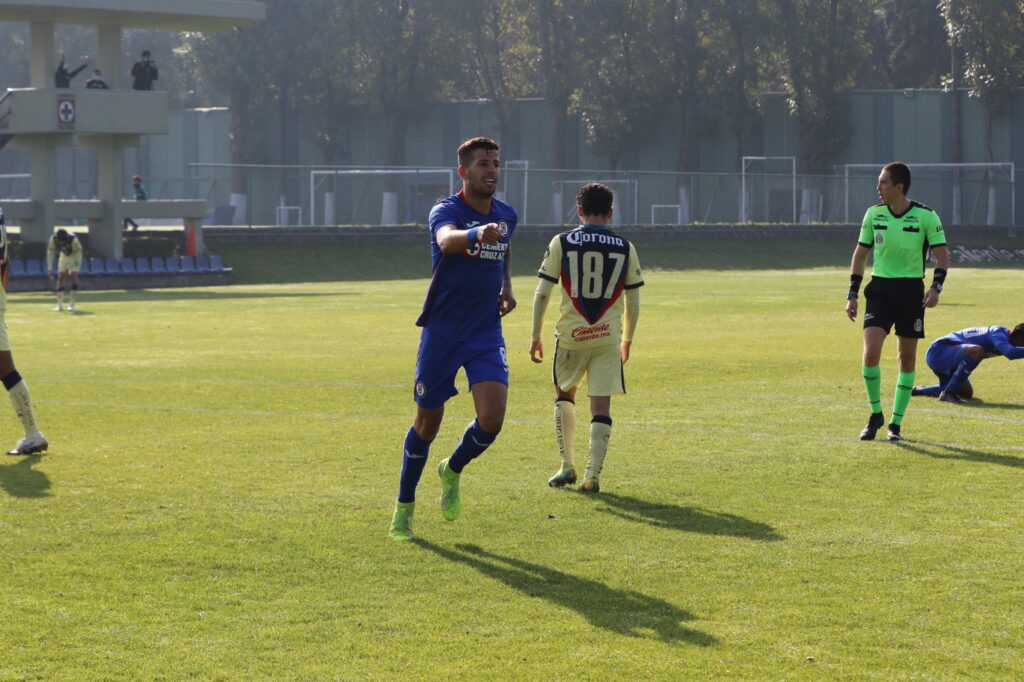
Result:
[[850, 295], [937, 287]]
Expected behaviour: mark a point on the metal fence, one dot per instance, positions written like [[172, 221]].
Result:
[[262, 195]]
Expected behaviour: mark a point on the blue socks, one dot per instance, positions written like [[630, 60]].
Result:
[[414, 459], [474, 441], [961, 375]]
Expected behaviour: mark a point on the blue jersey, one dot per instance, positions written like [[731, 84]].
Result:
[[462, 301], [995, 341]]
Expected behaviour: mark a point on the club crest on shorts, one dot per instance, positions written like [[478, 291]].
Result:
[[918, 325], [420, 389]]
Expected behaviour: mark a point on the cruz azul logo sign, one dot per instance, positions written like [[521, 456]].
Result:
[[66, 112]]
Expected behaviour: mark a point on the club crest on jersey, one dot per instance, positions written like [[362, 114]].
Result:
[[879, 239], [503, 228]]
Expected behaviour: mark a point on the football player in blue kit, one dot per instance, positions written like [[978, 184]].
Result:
[[955, 355], [469, 293]]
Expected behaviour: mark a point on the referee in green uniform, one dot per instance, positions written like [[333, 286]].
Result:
[[900, 231]]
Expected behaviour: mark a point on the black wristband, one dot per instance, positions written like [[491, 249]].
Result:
[[938, 278], [855, 281]]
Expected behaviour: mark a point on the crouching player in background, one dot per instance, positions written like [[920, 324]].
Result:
[[595, 267], [68, 265], [955, 355], [34, 441]]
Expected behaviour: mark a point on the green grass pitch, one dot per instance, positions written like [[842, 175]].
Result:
[[224, 462]]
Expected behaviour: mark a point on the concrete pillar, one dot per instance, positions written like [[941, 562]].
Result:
[[109, 58], [43, 166], [43, 61], [108, 238]]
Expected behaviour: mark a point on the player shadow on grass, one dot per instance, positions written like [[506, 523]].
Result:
[[684, 518], [966, 454], [981, 404], [21, 480], [624, 612]]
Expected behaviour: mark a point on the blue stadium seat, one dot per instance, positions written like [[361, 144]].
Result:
[[113, 266], [17, 268], [217, 265], [128, 266], [173, 264], [142, 265], [203, 263], [34, 268], [158, 265], [96, 267], [84, 270], [188, 264]]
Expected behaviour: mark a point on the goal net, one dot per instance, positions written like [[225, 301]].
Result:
[[962, 193], [625, 203], [376, 196]]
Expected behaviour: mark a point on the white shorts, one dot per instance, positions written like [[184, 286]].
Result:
[[72, 263], [602, 366], [5, 343]]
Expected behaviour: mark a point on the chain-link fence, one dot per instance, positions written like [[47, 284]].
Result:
[[259, 195]]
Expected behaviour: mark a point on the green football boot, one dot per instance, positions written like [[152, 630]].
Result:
[[401, 522], [565, 476], [591, 485], [451, 505]]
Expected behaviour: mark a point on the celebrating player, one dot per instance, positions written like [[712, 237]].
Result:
[[955, 356], [901, 231], [595, 267], [34, 442], [469, 293], [68, 264]]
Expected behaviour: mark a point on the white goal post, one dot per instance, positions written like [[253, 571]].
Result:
[[874, 167], [317, 177]]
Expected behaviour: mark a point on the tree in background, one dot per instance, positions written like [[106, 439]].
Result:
[[823, 48], [990, 36], [557, 33], [501, 59], [622, 85], [905, 39]]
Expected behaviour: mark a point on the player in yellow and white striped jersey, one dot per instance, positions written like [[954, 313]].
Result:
[[600, 277], [68, 264], [34, 442]]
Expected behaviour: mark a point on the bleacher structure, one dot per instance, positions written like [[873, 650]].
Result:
[[141, 272], [41, 118]]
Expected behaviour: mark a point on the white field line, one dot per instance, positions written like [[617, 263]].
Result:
[[655, 424]]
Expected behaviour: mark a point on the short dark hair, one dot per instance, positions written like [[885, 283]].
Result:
[[62, 234], [467, 148], [145, 53], [899, 174], [1017, 335], [595, 199]]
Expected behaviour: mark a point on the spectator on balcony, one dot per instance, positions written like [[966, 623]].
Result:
[[62, 77], [144, 73], [96, 82], [140, 195]]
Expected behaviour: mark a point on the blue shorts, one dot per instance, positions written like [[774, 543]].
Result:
[[943, 359], [439, 360]]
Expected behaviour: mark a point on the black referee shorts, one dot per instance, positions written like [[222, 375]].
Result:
[[895, 301]]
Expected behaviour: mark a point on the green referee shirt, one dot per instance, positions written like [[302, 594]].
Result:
[[901, 242]]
